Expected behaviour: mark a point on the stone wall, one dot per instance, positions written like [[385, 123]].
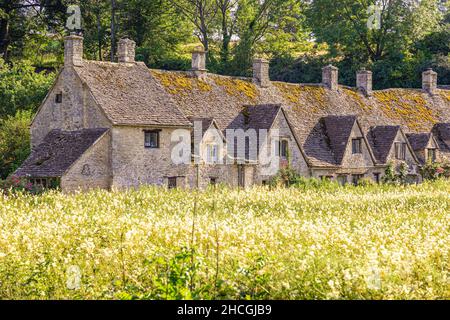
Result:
[[92, 170], [296, 161], [77, 110], [357, 161], [134, 165]]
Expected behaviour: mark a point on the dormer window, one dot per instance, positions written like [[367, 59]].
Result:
[[431, 155], [58, 98], [212, 153], [282, 149], [357, 146], [400, 151]]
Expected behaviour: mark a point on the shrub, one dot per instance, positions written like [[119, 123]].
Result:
[[15, 184], [392, 176], [290, 178], [14, 142], [366, 182]]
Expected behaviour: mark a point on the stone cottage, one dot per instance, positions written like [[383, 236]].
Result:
[[112, 125]]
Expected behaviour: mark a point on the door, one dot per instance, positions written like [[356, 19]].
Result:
[[241, 176], [172, 182]]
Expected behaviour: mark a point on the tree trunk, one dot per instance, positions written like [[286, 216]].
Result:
[[226, 38], [113, 27], [4, 38], [99, 37]]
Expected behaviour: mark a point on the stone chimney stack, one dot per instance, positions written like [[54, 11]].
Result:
[[429, 81], [330, 77], [261, 73], [364, 81], [126, 51], [199, 61], [73, 50]]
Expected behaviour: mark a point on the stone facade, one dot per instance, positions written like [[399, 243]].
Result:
[[126, 99], [92, 170], [77, 109]]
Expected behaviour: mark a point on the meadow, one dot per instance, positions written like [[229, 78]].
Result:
[[374, 242]]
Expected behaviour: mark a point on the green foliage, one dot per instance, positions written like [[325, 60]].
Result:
[[366, 182], [435, 170], [15, 185], [14, 142], [288, 177], [394, 175], [22, 88]]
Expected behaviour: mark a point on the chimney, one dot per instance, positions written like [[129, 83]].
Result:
[[73, 50], [199, 61], [364, 81], [126, 50], [330, 77], [429, 81], [261, 73]]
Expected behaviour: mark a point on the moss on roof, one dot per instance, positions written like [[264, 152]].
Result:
[[407, 105]]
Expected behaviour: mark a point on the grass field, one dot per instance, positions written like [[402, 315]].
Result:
[[330, 243]]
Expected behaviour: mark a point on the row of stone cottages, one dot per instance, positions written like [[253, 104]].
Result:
[[109, 125]]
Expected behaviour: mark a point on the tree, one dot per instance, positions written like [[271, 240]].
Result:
[[14, 142], [202, 14], [21, 88], [350, 27], [228, 19], [15, 16]]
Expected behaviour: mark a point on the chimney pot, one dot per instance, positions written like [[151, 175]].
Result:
[[126, 51], [330, 76], [73, 50], [429, 81], [261, 73], [364, 81]]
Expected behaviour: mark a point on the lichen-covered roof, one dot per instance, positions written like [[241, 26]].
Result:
[[381, 139], [133, 94], [129, 95], [56, 154]]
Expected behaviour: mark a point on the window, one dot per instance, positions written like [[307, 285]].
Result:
[[376, 177], [400, 150], [172, 182], [284, 149], [431, 155], [152, 139], [356, 178], [212, 153], [342, 180], [356, 145], [58, 98]]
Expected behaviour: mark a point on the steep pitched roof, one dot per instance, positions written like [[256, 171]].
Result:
[[419, 141], [442, 132], [58, 151], [338, 130], [206, 123], [260, 117], [381, 139], [129, 95]]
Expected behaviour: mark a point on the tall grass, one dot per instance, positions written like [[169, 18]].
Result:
[[375, 242]]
